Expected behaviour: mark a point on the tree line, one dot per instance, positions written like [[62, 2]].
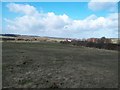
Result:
[[100, 45]]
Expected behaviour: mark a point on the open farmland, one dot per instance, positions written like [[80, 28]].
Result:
[[55, 65]]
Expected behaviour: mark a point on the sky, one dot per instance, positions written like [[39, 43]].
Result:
[[61, 19]]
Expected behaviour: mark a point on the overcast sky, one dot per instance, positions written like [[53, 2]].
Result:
[[61, 19]]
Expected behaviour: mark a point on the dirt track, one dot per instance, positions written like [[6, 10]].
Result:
[[54, 65]]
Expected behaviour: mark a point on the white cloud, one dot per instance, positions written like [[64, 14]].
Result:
[[110, 5], [25, 9], [105, 0], [50, 24]]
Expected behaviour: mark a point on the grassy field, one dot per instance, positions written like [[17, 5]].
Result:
[[55, 65]]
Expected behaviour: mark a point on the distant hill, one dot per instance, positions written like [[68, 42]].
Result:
[[10, 35], [16, 35], [54, 37]]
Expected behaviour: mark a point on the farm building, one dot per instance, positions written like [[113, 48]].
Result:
[[114, 40]]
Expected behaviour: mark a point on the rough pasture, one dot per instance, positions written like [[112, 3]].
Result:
[[55, 65]]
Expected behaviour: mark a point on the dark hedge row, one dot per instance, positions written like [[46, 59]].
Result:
[[108, 46]]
